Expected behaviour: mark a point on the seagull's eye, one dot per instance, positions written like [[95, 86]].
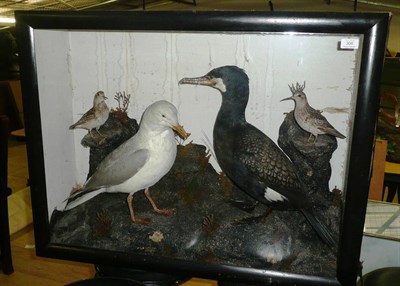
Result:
[[163, 115]]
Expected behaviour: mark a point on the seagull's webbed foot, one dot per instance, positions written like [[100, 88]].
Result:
[[165, 212], [144, 221]]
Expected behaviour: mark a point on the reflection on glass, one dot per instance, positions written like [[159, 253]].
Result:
[[383, 219]]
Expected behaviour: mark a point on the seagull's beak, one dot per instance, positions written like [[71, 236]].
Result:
[[181, 131], [287, 98], [203, 80]]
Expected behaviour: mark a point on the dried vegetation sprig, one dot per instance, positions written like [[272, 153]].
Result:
[[102, 226], [123, 100], [209, 224]]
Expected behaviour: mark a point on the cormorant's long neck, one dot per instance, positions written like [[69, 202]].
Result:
[[233, 107]]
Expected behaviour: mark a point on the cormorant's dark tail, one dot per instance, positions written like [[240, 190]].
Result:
[[321, 229]]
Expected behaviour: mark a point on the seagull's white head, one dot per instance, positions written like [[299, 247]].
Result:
[[161, 115]]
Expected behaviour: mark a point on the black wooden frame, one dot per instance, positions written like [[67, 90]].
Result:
[[374, 29], [6, 264]]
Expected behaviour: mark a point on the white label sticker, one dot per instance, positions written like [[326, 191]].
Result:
[[349, 44]]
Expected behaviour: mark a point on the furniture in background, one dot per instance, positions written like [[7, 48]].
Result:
[[9, 107], [376, 186], [384, 174], [392, 181]]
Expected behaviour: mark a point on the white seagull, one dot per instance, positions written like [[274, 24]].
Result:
[[138, 163]]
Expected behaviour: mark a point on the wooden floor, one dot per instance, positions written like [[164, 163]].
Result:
[[31, 270]]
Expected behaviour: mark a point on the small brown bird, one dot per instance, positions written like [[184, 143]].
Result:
[[308, 118], [95, 117]]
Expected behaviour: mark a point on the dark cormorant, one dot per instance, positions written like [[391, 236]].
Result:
[[249, 157]]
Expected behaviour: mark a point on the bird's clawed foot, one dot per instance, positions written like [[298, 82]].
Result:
[[310, 141], [103, 138], [143, 221], [165, 212], [102, 141]]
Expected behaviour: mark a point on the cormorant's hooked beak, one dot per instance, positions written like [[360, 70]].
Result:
[[203, 80], [287, 98], [206, 80], [181, 131]]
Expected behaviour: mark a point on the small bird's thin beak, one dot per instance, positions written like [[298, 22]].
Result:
[[181, 131], [287, 98], [203, 80]]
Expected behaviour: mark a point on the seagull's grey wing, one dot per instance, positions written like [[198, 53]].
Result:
[[116, 168]]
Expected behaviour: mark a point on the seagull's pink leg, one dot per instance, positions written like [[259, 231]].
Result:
[[134, 219], [165, 212]]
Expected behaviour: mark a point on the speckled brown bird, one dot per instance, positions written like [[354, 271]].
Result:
[[95, 117], [308, 118]]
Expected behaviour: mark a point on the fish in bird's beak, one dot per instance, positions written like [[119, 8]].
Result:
[[203, 80], [181, 131]]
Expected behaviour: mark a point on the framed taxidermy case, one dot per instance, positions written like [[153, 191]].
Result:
[[271, 184]]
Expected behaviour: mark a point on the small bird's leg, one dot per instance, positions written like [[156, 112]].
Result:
[[98, 131], [165, 212], [91, 134], [104, 137], [133, 218], [311, 136]]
